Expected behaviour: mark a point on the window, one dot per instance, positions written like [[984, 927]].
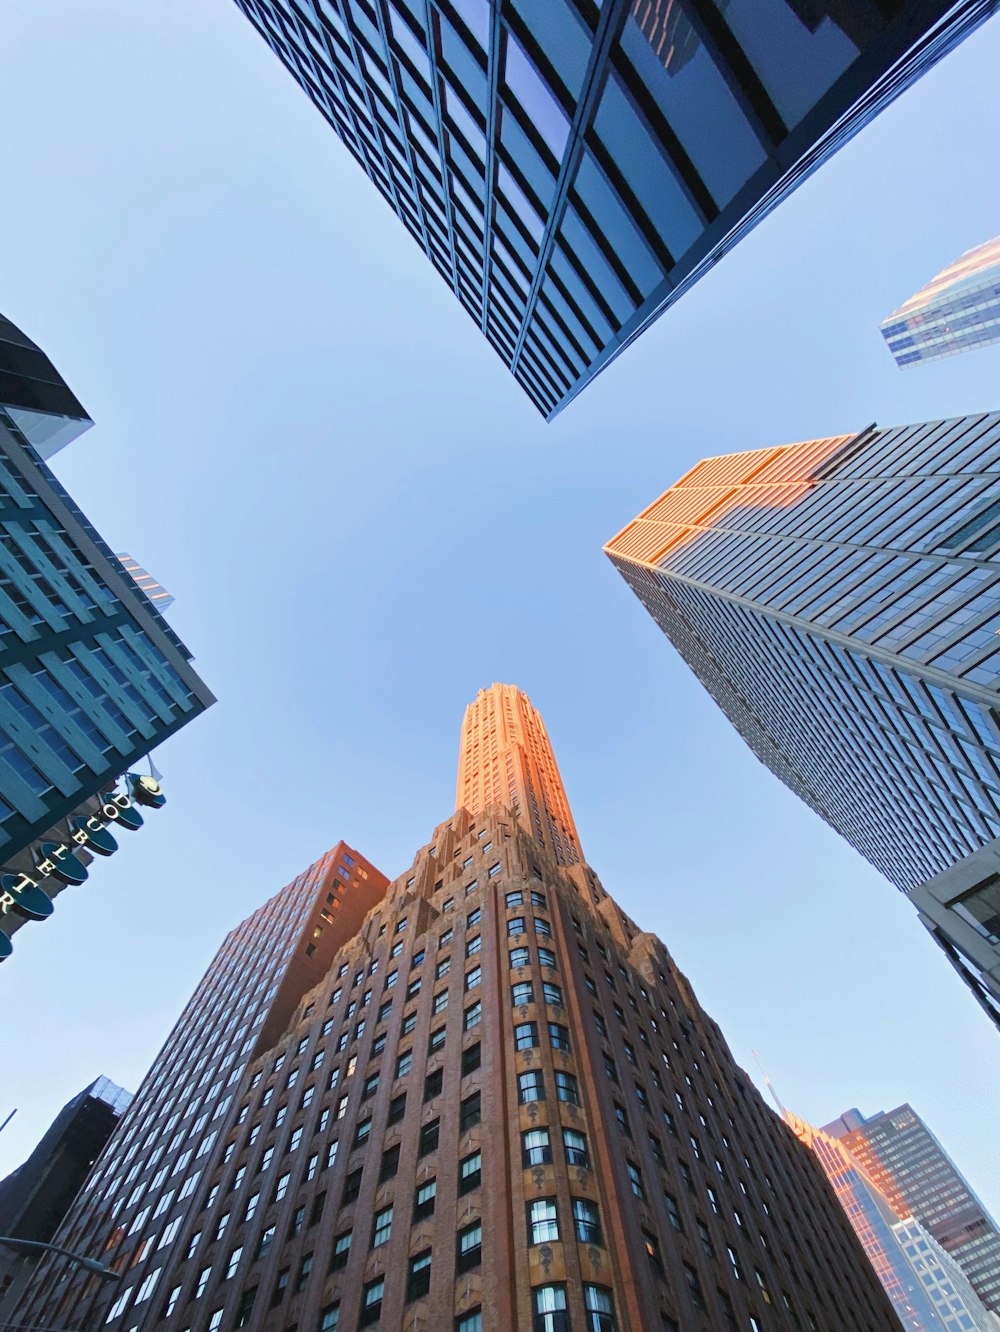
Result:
[[331, 1154], [352, 1186], [429, 1134], [280, 1287], [470, 1322], [566, 1087], [281, 1188], [513, 900], [542, 928], [413, 989], [469, 1247], [530, 1087], [522, 993], [635, 1179], [442, 969], [652, 1246], [418, 1282], [362, 1133], [694, 1287], [622, 1119], [298, 1221], [543, 1221], [559, 1037], [382, 1227], [397, 1108], [433, 1084], [341, 1250], [549, 1306], [436, 1040], [474, 945], [390, 1164], [305, 1268], [674, 1212], [470, 1112], [515, 926], [600, 1309], [404, 1063], [519, 957], [295, 1139], [329, 1318], [440, 1001], [409, 1022], [470, 1172], [586, 1222], [424, 1199], [526, 1036], [552, 994], [536, 1149], [473, 977], [575, 1147], [473, 1015], [493, 870], [371, 1301], [472, 1058]]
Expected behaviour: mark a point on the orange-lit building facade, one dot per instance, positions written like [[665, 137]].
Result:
[[838, 599], [486, 1101]]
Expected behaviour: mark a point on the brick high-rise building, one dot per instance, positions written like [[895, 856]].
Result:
[[488, 1101]]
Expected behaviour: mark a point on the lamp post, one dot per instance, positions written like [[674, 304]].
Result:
[[88, 1264]]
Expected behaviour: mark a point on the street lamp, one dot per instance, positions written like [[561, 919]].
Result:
[[88, 1264]]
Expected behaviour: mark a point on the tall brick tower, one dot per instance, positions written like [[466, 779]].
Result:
[[495, 1106]]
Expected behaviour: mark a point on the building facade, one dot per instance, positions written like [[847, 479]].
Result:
[[144, 580], [912, 1169], [838, 599], [570, 167], [928, 1290], [489, 1102], [36, 1196], [92, 678], [957, 311]]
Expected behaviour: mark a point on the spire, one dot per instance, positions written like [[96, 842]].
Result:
[[506, 758]]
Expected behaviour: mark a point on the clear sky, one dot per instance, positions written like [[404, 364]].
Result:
[[301, 434]]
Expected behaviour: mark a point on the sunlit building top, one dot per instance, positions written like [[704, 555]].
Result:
[[957, 311], [838, 598]]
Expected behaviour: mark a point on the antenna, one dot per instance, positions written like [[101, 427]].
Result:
[[8, 1119], [770, 1086]]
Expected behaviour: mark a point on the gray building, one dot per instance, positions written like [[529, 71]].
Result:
[[957, 311], [908, 1164], [838, 598], [92, 677], [570, 167]]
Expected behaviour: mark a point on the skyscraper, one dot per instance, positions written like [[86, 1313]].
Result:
[[571, 167], [144, 580], [36, 1196], [488, 1102], [92, 678], [928, 1289], [912, 1169], [838, 599], [957, 311]]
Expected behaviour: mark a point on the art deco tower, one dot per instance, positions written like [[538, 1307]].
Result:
[[490, 1103]]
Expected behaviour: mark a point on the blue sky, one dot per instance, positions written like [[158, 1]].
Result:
[[301, 434]]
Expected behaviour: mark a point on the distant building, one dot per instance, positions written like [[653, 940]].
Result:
[[911, 1168], [476, 1099], [928, 1290], [36, 1196], [34, 395], [839, 600], [157, 594], [570, 167], [957, 311], [92, 678]]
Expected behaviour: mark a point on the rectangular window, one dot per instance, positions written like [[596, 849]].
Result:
[[470, 1173], [341, 1250], [473, 977], [382, 1227], [424, 1199], [433, 1083], [429, 1134], [390, 1164], [418, 1281], [586, 1222], [469, 1251], [543, 1222], [536, 1149], [472, 1058], [530, 1086], [470, 1112], [371, 1299], [566, 1087], [473, 1015], [526, 1036]]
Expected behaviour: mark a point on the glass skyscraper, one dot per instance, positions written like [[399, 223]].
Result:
[[928, 1289], [571, 167], [839, 600], [909, 1166], [92, 677], [957, 311]]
